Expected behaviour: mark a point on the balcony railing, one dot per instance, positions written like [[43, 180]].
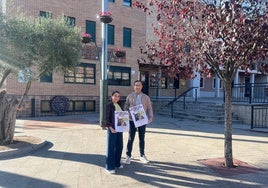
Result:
[[92, 52]]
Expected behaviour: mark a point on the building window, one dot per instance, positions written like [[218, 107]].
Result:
[[127, 3], [214, 83], [46, 78], [201, 83], [84, 73], [91, 29], [46, 106], [81, 106], [119, 76], [127, 37], [74, 106], [70, 20], [163, 82], [112, 1], [110, 34], [44, 14], [155, 80]]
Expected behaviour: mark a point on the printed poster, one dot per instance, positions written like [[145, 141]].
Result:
[[138, 115], [121, 121]]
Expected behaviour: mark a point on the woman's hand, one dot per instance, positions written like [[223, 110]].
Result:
[[112, 130]]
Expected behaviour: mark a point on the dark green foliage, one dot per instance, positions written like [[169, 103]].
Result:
[[40, 45]]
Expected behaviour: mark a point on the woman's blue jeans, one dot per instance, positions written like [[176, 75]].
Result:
[[114, 149]]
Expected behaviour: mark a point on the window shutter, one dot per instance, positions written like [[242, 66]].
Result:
[[91, 29], [127, 37], [110, 34]]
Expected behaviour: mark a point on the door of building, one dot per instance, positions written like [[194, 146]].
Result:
[[144, 77]]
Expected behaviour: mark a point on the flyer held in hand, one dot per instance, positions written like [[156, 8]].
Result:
[[121, 121], [138, 115]]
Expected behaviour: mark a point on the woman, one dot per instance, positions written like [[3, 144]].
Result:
[[114, 139]]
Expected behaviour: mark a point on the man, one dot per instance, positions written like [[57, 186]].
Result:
[[133, 99]]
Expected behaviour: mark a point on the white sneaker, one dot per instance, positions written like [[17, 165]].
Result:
[[128, 160], [144, 159], [110, 171], [121, 166]]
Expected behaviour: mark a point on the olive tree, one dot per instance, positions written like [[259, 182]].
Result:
[[35, 47]]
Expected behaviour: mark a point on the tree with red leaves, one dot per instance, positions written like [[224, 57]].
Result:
[[209, 36]]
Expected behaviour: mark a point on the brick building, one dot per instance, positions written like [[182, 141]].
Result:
[[129, 30], [82, 87]]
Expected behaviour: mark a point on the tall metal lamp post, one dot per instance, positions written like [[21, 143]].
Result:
[[105, 17]]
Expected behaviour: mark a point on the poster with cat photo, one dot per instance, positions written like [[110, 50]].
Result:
[[121, 121], [138, 115]]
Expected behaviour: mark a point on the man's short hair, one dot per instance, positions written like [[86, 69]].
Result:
[[138, 81]]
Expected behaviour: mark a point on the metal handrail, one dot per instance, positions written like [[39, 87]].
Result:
[[250, 92], [184, 101], [259, 116]]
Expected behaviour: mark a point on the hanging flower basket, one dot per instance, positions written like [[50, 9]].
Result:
[[86, 38], [60, 104], [105, 17], [119, 53]]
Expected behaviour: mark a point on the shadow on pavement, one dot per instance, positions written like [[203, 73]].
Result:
[[95, 159], [11, 180], [156, 174]]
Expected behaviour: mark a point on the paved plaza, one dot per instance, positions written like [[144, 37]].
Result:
[[73, 155]]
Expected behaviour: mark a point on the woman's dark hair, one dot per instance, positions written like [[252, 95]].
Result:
[[114, 92]]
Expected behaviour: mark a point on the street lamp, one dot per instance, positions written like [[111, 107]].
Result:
[[105, 17]]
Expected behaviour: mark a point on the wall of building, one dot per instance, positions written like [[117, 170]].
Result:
[[82, 10], [243, 111]]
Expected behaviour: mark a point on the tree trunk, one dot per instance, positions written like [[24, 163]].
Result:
[[8, 112], [3, 105], [8, 115], [4, 76], [228, 151]]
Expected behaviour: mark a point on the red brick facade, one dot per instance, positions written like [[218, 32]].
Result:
[[82, 10]]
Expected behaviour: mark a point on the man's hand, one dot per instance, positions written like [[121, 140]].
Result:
[[150, 120]]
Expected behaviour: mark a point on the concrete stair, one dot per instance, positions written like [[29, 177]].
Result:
[[206, 111]]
